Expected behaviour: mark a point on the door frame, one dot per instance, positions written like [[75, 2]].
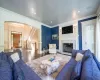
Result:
[[15, 32], [80, 30], [88, 23]]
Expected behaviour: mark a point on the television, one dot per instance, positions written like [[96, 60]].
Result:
[[67, 29]]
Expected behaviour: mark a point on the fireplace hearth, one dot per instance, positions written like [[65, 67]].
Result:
[[67, 47]]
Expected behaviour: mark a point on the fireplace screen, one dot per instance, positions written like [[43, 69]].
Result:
[[67, 47]]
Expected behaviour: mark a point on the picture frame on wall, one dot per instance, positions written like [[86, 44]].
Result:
[[55, 37]]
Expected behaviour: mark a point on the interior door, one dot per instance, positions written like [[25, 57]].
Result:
[[88, 35], [16, 40]]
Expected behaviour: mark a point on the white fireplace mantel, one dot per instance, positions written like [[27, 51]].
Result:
[[67, 41]]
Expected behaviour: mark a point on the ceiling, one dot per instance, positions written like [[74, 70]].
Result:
[[52, 12]]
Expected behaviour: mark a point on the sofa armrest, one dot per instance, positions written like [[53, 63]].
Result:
[[66, 71]]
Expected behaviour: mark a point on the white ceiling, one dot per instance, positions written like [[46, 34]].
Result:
[[52, 12]]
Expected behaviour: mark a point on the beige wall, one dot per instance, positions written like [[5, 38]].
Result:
[[7, 15], [19, 28], [1, 38]]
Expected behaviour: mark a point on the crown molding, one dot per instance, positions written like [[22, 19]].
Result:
[[73, 21]]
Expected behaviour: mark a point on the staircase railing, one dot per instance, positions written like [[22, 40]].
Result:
[[31, 34]]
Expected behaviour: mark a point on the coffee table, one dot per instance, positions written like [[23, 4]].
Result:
[[50, 67]]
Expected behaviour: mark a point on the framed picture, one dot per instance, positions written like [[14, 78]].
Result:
[[55, 37]]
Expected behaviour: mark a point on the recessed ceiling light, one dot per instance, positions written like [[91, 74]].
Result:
[[51, 21], [33, 11], [78, 11]]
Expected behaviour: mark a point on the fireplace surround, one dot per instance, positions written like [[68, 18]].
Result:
[[67, 47]]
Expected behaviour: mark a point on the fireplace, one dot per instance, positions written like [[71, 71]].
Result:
[[67, 47]]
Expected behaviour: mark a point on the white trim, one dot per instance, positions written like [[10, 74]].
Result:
[[14, 13], [98, 11], [73, 21]]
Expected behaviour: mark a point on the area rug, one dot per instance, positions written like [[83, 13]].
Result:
[[35, 65]]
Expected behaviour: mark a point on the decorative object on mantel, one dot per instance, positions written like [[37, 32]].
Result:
[[55, 37]]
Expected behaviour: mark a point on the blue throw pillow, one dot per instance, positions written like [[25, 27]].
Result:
[[90, 70], [77, 71], [74, 52], [17, 72], [5, 71], [87, 54]]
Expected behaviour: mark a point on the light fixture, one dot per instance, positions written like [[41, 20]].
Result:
[[60, 27], [33, 11], [78, 11], [51, 21]]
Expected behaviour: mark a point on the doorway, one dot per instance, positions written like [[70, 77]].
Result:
[[16, 40], [88, 35]]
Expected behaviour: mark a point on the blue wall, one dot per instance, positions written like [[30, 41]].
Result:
[[55, 30], [46, 36], [48, 32], [80, 30]]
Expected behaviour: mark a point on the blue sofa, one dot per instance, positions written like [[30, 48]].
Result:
[[15, 71], [87, 69]]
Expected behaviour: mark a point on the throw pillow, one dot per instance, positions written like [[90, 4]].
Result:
[[15, 57], [77, 71], [79, 57], [17, 71], [90, 70], [74, 52]]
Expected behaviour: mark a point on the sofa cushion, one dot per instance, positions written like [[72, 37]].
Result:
[[3, 56], [17, 50], [87, 54], [90, 70], [13, 58], [17, 72], [66, 72], [29, 74], [97, 62], [5, 71], [77, 71], [9, 57], [74, 52]]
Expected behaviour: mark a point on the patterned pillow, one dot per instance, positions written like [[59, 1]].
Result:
[[5, 71]]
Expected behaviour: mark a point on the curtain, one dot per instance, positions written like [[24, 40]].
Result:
[[98, 38]]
